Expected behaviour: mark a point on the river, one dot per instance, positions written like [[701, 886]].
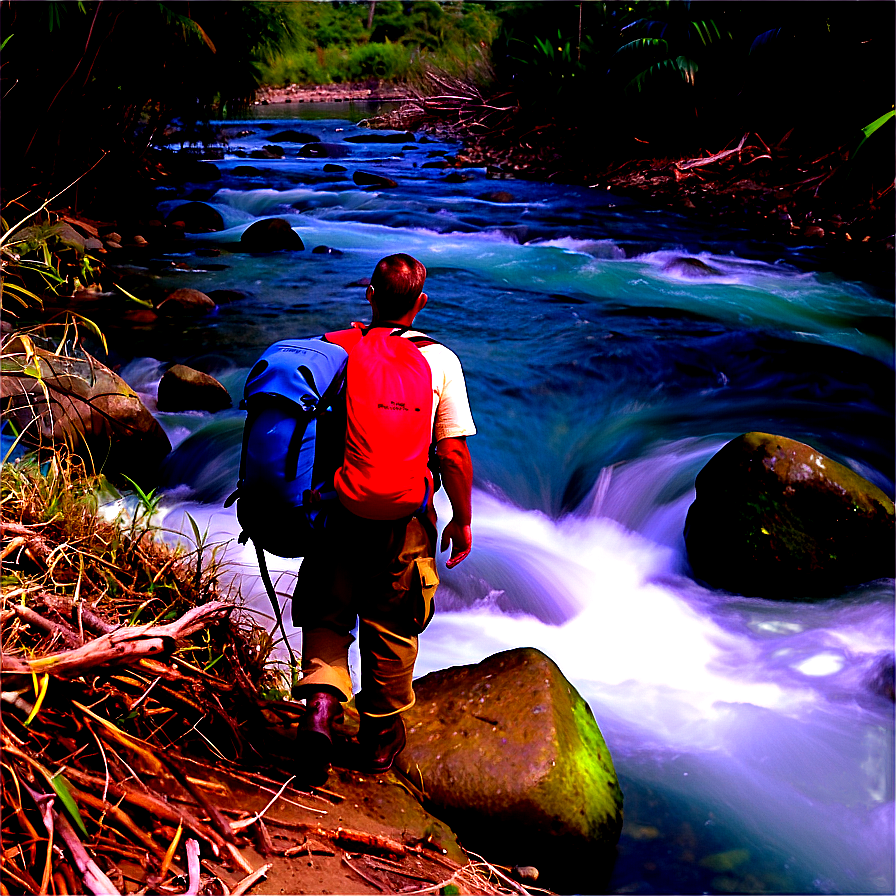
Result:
[[753, 740]]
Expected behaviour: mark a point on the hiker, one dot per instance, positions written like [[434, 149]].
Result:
[[380, 574]]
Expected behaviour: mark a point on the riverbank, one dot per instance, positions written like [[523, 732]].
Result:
[[368, 91]]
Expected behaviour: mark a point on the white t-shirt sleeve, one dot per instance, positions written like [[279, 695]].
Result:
[[453, 417]]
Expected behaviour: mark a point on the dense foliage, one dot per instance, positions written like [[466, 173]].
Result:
[[386, 40], [679, 76]]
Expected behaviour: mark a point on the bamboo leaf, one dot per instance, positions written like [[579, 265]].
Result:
[[60, 785]]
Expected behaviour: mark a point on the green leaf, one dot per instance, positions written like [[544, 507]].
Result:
[[641, 44], [875, 125], [878, 123], [61, 786]]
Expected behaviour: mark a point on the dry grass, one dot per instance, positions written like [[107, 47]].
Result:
[[119, 669]]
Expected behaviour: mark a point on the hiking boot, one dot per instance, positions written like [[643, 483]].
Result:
[[314, 739], [381, 740]]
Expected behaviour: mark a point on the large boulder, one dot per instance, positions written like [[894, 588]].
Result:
[[270, 235], [184, 389], [776, 518], [81, 405], [196, 217], [509, 754]]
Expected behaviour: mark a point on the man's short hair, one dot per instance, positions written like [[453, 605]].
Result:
[[397, 281]]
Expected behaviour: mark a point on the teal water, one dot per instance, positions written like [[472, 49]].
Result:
[[753, 744]]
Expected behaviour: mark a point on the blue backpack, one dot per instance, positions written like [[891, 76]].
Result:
[[293, 441]]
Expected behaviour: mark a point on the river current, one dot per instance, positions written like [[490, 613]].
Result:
[[754, 740]]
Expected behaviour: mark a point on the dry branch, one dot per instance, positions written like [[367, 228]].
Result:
[[124, 645]]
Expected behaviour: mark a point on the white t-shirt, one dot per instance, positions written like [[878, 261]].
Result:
[[450, 406]]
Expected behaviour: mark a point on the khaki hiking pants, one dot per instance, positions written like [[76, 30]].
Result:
[[380, 575]]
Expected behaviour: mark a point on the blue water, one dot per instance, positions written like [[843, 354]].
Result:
[[752, 741]]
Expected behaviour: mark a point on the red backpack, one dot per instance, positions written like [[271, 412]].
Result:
[[385, 473]]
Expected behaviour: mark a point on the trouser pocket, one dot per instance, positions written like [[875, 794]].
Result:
[[420, 599]]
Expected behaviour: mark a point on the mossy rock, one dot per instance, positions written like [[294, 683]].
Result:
[[81, 405], [509, 754], [183, 388], [776, 518]]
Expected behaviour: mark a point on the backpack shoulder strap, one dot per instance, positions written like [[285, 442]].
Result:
[[423, 341]]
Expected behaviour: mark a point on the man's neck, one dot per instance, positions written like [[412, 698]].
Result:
[[406, 320]]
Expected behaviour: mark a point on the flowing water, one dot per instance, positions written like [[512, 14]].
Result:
[[754, 740]]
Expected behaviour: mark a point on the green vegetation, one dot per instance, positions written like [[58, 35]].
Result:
[[678, 76], [387, 40]]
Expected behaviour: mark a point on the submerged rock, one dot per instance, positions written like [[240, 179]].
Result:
[[270, 235], [291, 136], [86, 407], [691, 267], [497, 196], [186, 303], [776, 518], [509, 754], [184, 389], [367, 179], [321, 150]]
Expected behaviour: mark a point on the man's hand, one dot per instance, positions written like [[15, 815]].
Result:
[[457, 477], [461, 540]]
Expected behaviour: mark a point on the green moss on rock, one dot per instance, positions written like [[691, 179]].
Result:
[[510, 754]]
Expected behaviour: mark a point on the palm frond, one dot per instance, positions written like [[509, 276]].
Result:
[[683, 66]]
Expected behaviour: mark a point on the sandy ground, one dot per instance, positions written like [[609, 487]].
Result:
[[371, 91]]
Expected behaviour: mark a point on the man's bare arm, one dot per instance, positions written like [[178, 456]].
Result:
[[457, 478]]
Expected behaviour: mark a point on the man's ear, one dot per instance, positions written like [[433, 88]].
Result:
[[369, 294], [420, 304]]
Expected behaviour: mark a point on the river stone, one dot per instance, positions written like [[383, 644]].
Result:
[[776, 518], [403, 137], [184, 389], [291, 136], [368, 179], [270, 235], [186, 302], [691, 267], [197, 217], [497, 196], [91, 410], [511, 757], [324, 151]]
